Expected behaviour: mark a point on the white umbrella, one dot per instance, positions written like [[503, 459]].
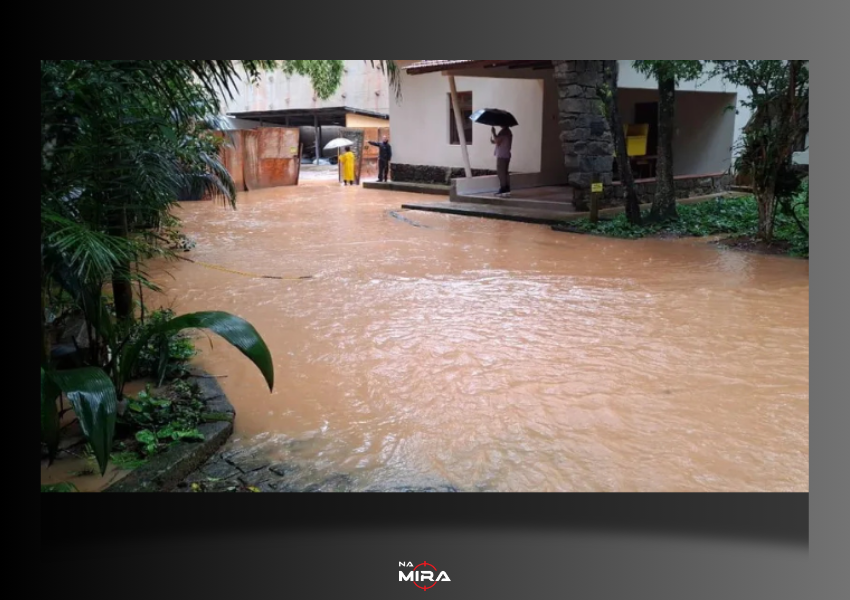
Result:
[[338, 143]]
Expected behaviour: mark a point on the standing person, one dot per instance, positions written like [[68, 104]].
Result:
[[385, 157], [503, 141], [347, 162]]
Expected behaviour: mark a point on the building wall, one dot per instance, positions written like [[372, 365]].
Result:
[[363, 86], [630, 78], [420, 121], [364, 121], [705, 128]]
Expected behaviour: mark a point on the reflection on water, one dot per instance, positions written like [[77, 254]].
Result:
[[500, 356]]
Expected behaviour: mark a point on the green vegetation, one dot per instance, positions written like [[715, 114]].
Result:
[[59, 488], [121, 142], [737, 217], [779, 101], [159, 419]]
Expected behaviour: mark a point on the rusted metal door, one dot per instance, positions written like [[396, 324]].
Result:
[[232, 154], [370, 152], [271, 157]]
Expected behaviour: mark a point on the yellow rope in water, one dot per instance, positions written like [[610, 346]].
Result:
[[242, 273]]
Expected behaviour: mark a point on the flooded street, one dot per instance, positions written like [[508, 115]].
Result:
[[495, 356]]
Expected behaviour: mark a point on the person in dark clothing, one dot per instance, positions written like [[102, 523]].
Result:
[[385, 157]]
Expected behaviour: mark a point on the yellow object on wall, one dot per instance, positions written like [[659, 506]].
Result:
[[637, 140]]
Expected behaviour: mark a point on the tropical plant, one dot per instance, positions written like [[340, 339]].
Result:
[[668, 74], [94, 395], [779, 102]]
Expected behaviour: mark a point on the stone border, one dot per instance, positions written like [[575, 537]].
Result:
[[686, 187], [165, 471], [402, 173], [411, 188]]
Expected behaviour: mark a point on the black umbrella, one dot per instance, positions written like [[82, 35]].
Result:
[[494, 117]]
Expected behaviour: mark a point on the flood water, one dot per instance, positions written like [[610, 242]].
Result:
[[495, 356]]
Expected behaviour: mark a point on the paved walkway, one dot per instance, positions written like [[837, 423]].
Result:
[[514, 211]]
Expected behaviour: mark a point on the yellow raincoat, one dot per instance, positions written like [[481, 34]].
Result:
[[347, 163]]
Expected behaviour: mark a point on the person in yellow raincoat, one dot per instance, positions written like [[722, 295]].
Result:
[[346, 161]]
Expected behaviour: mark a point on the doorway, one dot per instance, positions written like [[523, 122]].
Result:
[[646, 113]]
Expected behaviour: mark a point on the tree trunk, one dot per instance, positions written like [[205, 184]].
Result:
[[664, 206], [767, 214], [45, 338], [122, 287], [611, 99]]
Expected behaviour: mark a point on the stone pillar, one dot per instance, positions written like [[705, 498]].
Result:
[[585, 134]]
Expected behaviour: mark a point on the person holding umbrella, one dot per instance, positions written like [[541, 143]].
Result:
[[385, 156], [503, 142]]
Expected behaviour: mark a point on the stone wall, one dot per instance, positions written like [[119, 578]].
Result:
[[431, 175], [585, 133], [686, 187]]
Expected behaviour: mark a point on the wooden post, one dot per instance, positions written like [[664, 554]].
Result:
[[596, 193], [461, 132], [318, 138]]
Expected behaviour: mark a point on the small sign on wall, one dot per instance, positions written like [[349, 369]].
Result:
[[596, 188]]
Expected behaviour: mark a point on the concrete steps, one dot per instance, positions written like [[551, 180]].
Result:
[[513, 202]]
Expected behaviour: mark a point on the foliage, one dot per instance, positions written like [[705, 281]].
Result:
[[59, 488], [677, 70], [94, 396], [163, 356], [733, 216], [121, 141], [779, 102], [158, 421]]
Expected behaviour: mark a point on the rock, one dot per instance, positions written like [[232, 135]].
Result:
[[219, 470], [248, 462], [257, 478]]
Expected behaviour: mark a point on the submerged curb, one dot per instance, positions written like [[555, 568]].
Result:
[[165, 471]]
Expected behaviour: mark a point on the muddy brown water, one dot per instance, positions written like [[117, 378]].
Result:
[[436, 349]]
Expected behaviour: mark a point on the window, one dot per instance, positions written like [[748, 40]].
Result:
[[465, 101]]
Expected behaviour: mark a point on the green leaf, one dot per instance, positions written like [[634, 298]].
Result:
[[59, 487], [49, 414], [92, 395], [146, 437], [235, 330]]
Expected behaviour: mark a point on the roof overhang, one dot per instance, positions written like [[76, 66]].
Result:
[[308, 117], [437, 66]]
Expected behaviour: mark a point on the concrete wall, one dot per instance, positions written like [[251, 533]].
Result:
[[705, 128], [363, 87], [420, 121]]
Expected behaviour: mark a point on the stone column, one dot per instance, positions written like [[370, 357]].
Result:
[[585, 134]]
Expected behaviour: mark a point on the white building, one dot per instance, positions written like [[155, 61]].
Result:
[[364, 88], [362, 101], [709, 117]]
